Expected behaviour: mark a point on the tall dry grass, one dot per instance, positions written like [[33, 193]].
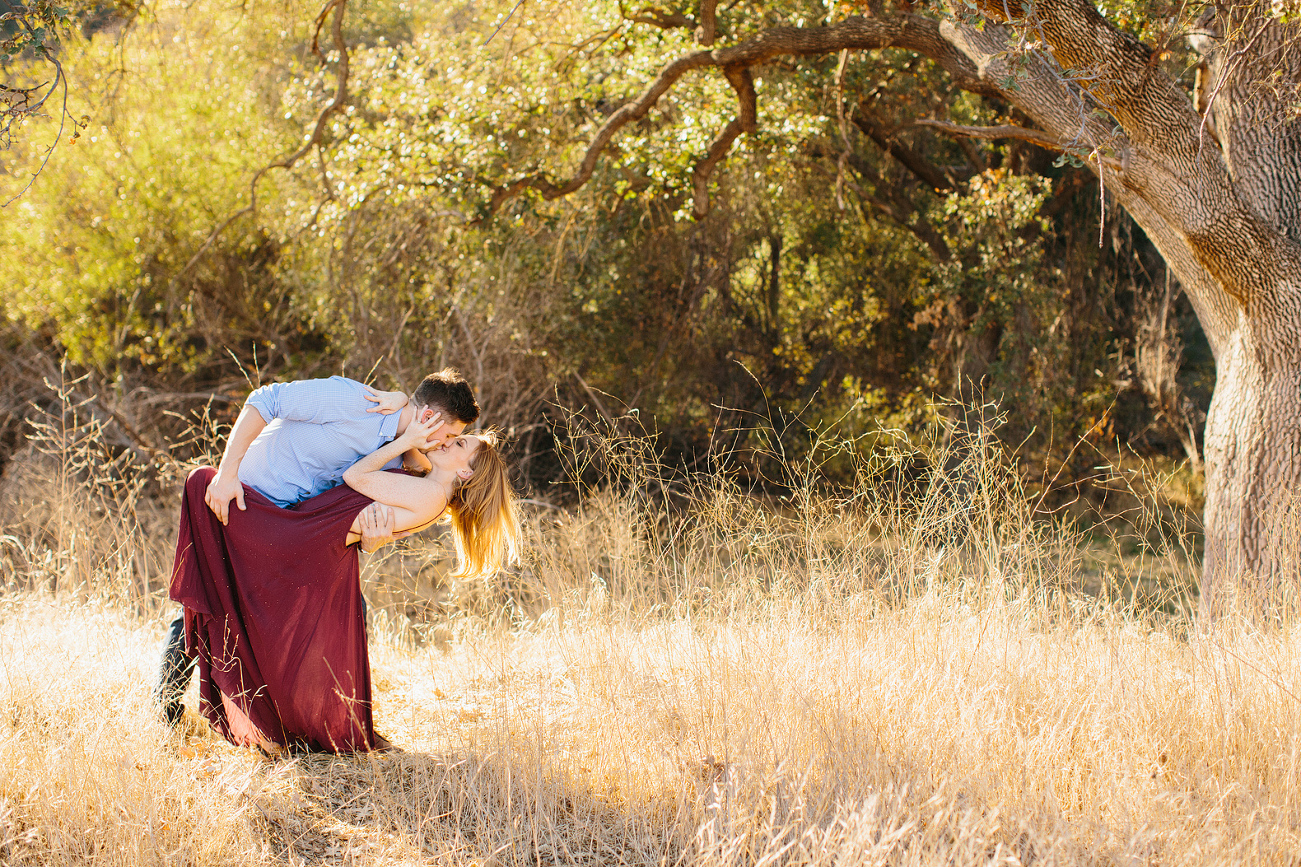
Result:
[[904, 671]]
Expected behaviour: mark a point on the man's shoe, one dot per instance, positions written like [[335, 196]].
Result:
[[173, 712], [173, 674]]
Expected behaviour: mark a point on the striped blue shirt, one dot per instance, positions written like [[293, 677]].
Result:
[[316, 429]]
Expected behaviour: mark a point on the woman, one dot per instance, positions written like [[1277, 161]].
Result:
[[273, 606], [466, 479]]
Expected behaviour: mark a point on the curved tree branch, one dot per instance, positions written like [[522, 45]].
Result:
[[1231, 236], [912, 32], [743, 83], [1146, 187], [626, 114], [993, 133]]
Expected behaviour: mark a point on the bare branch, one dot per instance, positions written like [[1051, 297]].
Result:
[[664, 21], [59, 78], [508, 17], [16, 105], [992, 133], [890, 143], [288, 162], [657, 18]]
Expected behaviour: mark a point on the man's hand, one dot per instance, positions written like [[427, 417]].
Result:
[[221, 490], [386, 402], [377, 527]]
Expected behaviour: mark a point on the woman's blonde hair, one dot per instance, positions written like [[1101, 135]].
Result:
[[485, 518]]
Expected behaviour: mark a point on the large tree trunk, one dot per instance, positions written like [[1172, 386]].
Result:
[[1253, 431], [1253, 471], [1222, 202]]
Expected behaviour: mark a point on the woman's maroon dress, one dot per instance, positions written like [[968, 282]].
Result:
[[274, 616]]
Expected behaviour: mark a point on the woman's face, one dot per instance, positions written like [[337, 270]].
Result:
[[455, 455]]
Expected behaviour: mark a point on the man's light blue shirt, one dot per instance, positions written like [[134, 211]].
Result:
[[316, 429]]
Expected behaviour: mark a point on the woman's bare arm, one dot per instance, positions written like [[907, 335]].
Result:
[[415, 501], [375, 527]]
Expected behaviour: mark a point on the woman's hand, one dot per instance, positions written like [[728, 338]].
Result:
[[386, 402], [417, 434], [377, 523]]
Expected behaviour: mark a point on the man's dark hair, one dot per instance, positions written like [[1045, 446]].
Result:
[[447, 390]]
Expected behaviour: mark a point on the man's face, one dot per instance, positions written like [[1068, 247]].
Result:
[[450, 430]]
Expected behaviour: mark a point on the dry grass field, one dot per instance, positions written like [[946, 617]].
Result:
[[906, 672]]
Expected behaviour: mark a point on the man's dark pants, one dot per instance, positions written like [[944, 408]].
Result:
[[174, 672]]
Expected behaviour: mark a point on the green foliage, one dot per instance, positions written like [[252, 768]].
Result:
[[100, 249], [828, 285]]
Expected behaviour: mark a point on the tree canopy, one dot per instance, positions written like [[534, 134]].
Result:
[[819, 214]]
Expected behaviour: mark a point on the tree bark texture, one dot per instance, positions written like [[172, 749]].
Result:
[[1222, 202], [1213, 178]]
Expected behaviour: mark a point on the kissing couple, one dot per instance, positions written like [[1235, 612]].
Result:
[[272, 612]]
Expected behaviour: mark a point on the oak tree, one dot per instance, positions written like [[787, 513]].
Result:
[[1210, 169]]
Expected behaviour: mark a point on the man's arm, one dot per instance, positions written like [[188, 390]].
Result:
[[226, 485]]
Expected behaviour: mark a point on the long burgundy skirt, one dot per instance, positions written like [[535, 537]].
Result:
[[274, 616]]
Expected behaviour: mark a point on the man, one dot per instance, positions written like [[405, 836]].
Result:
[[294, 440]]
